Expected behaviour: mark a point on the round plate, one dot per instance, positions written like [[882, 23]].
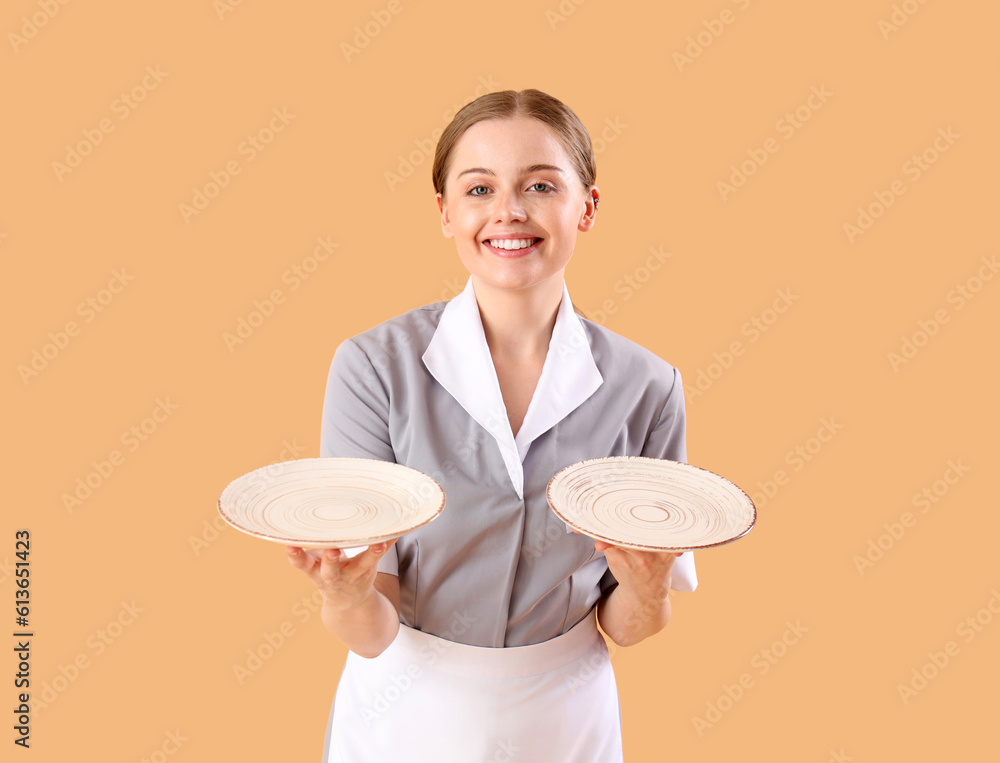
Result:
[[331, 502], [650, 504]]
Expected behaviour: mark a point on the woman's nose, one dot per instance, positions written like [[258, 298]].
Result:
[[508, 206]]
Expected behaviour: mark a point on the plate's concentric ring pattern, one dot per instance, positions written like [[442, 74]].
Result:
[[331, 502], [650, 503]]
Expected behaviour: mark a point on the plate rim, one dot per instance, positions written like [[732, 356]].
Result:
[[307, 543], [641, 546]]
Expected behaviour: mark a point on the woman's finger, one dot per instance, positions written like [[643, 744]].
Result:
[[370, 556], [299, 557], [302, 559], [336, 573], [330, 565], [363, 567]]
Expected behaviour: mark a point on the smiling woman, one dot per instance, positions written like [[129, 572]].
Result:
[[493, 393]]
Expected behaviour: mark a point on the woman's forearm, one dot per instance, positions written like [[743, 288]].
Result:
[[366, 629], [628, 620]]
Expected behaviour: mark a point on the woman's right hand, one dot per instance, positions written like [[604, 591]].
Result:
[[345, 582]]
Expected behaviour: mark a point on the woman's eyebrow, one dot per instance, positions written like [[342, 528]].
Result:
[[524, 171]]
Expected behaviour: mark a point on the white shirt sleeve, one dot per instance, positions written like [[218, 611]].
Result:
[[356, 419]]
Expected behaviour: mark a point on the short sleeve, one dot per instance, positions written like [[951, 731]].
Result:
[[668, 439], [356, 418]]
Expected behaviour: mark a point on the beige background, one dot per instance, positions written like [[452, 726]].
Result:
[[160, 608]]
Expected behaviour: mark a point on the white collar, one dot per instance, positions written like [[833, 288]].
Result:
[[459, 358]]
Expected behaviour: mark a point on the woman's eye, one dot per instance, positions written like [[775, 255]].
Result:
[[482, 190]]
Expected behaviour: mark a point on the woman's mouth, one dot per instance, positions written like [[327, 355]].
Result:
[[515, 247]]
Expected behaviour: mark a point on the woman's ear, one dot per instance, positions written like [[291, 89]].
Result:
[[445, 219], [593, 196]]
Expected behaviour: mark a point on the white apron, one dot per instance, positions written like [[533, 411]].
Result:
[[427, 699]]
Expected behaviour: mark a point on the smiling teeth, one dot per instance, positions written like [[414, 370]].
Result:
[[516, 243]]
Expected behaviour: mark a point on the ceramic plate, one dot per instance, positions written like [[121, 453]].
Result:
[[331, 502], [650, 504]]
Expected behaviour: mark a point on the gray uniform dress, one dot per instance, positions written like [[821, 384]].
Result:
[[498, 568]]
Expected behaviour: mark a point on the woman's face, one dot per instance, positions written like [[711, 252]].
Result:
[[511, 179]]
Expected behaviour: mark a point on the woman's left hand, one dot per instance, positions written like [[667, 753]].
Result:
[[644, 575], [639, 605]]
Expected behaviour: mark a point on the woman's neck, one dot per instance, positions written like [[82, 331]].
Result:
[[518, 323]]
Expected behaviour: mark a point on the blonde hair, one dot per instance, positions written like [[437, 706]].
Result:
[[507, 104]]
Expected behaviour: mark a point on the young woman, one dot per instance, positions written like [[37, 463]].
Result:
[[474, 638]]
